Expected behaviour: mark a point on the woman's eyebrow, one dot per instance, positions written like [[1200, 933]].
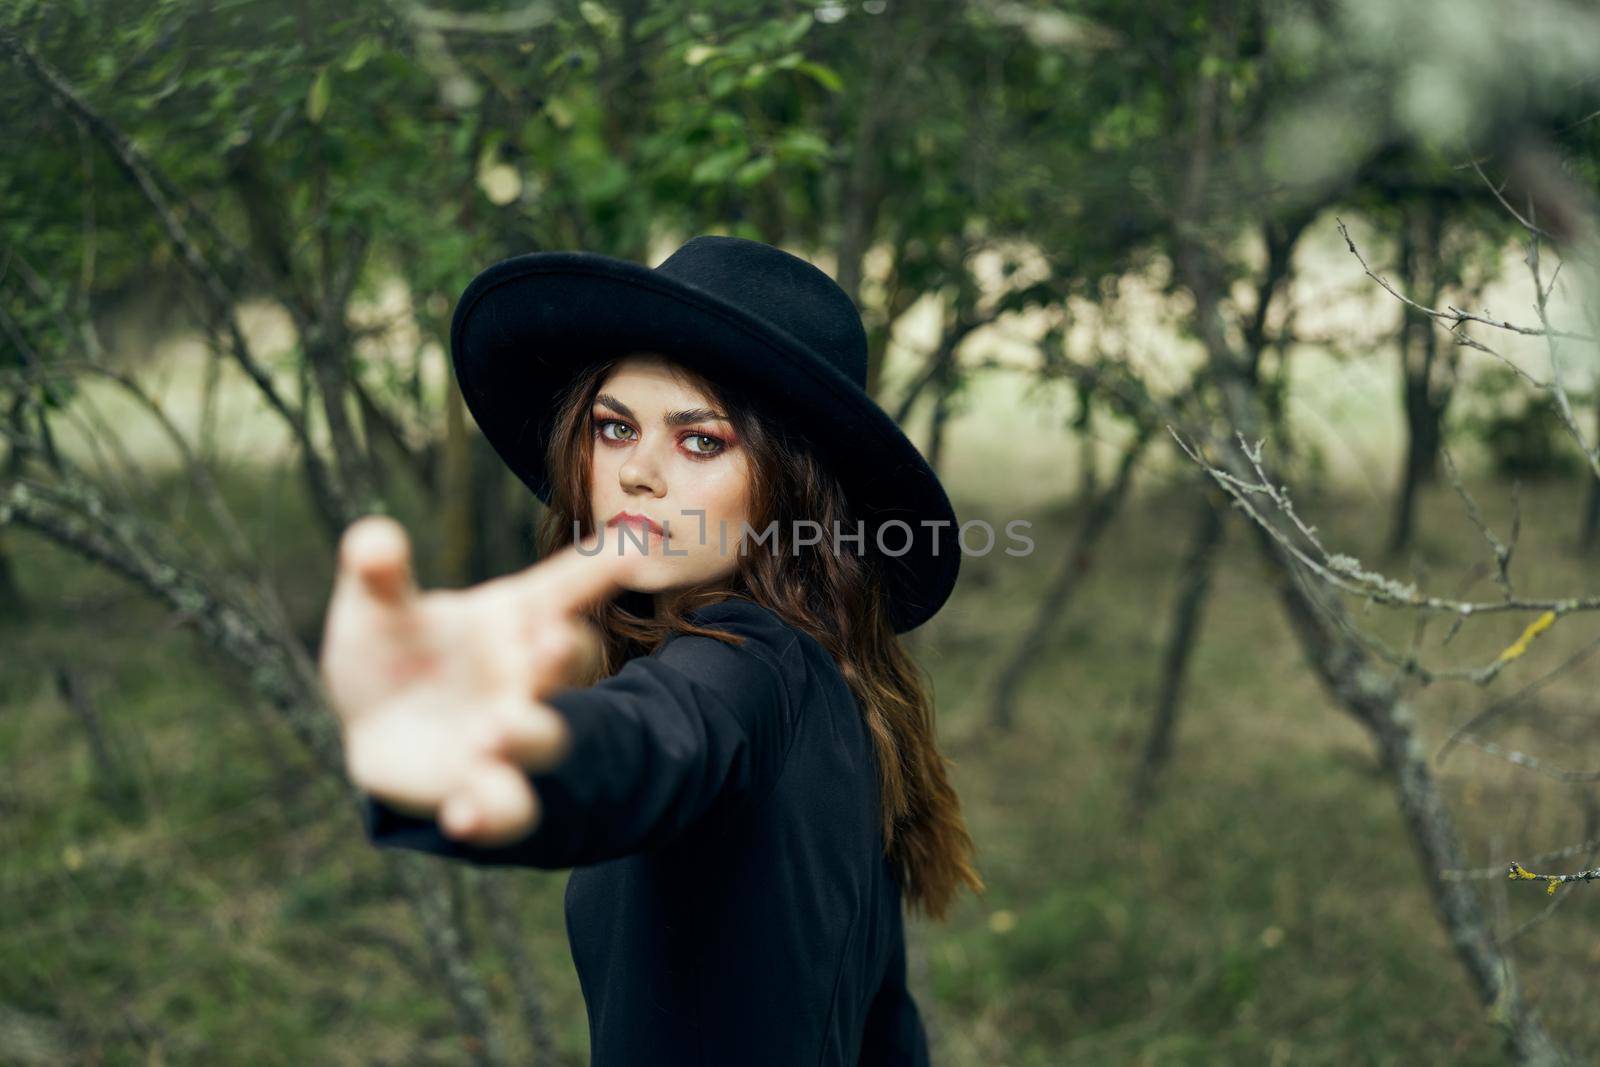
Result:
[[673, 418]]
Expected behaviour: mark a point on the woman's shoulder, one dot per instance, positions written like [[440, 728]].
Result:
[[764, 637], [741, 613]]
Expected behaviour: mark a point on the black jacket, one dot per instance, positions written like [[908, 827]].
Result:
[[731, 902]]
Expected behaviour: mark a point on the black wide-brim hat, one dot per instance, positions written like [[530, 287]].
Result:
[[737, 311]]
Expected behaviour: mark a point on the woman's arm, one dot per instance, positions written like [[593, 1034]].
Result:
[[658, 745]]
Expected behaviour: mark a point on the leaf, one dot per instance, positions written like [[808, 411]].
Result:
[[723, 82], [803, 145], [755, 76], [317, 97], [560, 112], [364, 50], [827, 77], [755, 170], [605, 183], [795, 29], [719, 165], [597, 16], [489, 153]]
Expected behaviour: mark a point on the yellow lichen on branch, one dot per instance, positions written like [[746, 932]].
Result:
[[1535, 628], [1518, 871]]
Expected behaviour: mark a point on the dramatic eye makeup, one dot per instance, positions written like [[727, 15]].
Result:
[[623, 429], [698, 444], [701, 450]]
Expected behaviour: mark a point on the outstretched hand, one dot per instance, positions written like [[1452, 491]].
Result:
[[439, 693]]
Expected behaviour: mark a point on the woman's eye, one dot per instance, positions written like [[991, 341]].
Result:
[[622, 427], [701, 445], [712, 447]]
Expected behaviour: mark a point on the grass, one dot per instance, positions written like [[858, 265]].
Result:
[[220, 905]]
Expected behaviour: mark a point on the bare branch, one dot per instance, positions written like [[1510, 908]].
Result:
[[1518, 872], [1502, 552], [1507, 704], [1454, 316], [1538, 766], [1346, 574]]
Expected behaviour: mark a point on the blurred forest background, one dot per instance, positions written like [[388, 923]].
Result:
[[1277, 320]]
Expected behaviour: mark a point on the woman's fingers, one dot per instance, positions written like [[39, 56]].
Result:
[[371, 640], [494, 806], [497, 804], [574, 577], [532, 735], [375, 555], [563, 652]]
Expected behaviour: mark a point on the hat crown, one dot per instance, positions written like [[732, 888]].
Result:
[[780, 288]]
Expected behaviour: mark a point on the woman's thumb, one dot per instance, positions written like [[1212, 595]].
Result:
[[375, 555]]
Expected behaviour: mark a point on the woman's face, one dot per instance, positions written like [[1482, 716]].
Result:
[[662, 450]]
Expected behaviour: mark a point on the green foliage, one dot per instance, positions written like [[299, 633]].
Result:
[[1521, 428], [297, 146]]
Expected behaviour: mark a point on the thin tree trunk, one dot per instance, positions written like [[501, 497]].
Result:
[[944, 381], [350, 454], [13, 606], [1194, 584], [498, 906], [113, 783], [429, 893], [379, 425], [1366, 691], [504, 515], [1369, 692], [1058, 594], [862, 189], [210, 390], [455, 482], [942, 372], [1083, 429], [1589, 526], [1425, 402], [898, 299]]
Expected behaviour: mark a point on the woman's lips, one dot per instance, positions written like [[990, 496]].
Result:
[[646, 528]]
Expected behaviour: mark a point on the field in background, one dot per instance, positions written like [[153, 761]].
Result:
[[1346, 408]]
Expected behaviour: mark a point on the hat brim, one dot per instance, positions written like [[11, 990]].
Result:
[[523, 326]]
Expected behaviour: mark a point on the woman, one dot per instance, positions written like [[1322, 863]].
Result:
[[747, 788]]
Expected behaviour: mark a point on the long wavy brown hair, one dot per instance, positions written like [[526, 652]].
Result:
[[836, 597]]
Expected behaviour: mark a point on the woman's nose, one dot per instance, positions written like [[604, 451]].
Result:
[[642, 472]]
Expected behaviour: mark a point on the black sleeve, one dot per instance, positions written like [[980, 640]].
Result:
[[656, 746], [894, 1035]]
